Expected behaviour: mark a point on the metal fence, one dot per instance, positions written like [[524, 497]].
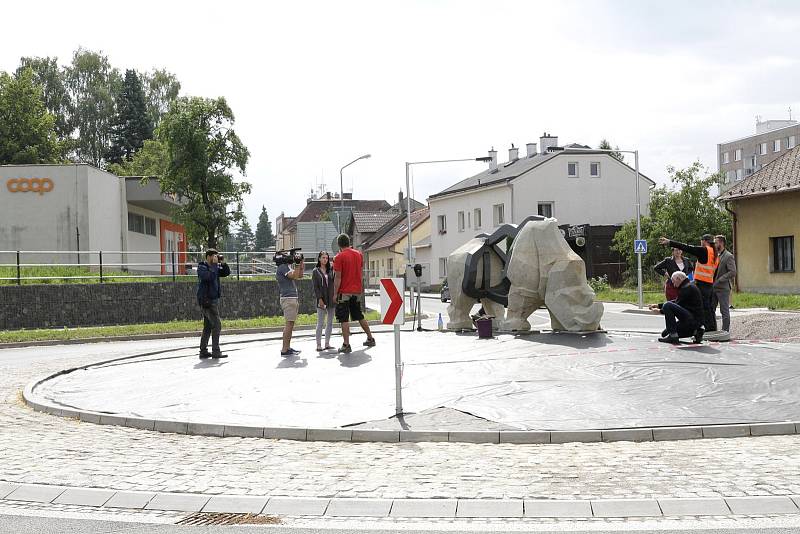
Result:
[[103, 265]]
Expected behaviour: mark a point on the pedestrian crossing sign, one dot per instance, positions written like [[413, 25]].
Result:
[[640, 246]]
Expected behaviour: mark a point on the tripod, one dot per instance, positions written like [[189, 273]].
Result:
[[418, 309]]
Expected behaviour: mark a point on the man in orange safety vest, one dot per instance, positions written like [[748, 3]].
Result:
[[704, 270]]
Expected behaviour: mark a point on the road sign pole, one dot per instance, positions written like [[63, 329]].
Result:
[[398, 373], [392, 312], [638, 231]]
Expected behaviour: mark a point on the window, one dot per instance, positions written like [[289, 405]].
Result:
[[783, 254], [442, 267], [776, 145], [499, 214], [726, 157], [572, 169], [141, 224], [136, 223], [752, 162], [729, 177], [476, 217], [441, 222], [461, 222], [738, 174], [594, 169], [737, 155], [546, 209], [762, 149], [792, 143], [390, 266]]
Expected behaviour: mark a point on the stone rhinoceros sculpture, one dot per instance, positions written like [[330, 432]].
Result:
[[540, 269]]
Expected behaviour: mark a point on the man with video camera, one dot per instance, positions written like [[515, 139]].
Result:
[[290, 268], [209, 291]]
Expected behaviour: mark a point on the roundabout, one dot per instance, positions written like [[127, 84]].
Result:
[[548, 387]]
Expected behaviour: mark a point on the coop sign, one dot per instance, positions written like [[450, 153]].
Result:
[[29, 185]]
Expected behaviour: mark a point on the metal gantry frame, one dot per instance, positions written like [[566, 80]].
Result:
[[638, 206]]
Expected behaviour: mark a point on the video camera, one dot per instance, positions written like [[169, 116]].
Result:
[[292, 256]]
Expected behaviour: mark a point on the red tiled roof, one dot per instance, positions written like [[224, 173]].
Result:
[[316, 208], [400, 230]]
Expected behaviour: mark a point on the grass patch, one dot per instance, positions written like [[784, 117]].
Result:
[[739, 300], [63, 334]]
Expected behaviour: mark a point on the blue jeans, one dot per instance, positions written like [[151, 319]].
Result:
[[678, 319]]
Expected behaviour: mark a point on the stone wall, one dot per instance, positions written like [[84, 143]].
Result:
[[71, 305]]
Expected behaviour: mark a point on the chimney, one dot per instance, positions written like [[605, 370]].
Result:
[[493, 162], [531, 147], [513, 154], [546, 141]]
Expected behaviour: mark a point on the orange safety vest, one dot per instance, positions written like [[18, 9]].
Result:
[[704, 272]]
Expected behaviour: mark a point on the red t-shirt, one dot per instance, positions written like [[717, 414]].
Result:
[[347, 265]]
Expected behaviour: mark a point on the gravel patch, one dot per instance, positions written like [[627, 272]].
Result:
[[765, 326]]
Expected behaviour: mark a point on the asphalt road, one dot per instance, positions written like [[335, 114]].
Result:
[[42, 525]]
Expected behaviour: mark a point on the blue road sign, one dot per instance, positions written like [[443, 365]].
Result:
[[640, 246]]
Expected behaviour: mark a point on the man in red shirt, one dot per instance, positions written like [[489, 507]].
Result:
[[348, 266]]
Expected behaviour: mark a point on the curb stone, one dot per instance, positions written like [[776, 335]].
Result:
[[407, 508]]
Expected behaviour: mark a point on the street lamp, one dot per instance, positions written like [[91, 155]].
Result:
[[409, 258], [341, 189], [638, 206]]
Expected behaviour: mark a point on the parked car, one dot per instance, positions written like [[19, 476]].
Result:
[[445, 292]]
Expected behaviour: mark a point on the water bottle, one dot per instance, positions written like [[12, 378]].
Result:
[[441, 323]]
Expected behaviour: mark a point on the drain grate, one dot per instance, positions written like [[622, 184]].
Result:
[[201, 518]]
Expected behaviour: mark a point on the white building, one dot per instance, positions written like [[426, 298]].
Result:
[[64, 209], [575, 187]]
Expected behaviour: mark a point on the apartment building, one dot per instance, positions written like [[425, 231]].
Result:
[[571, 183], [739, 158]]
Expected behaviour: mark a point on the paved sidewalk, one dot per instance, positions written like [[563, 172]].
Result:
[[39, 448], [399, 508]]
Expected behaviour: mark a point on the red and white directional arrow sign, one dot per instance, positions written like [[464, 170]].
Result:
[[392, 311]]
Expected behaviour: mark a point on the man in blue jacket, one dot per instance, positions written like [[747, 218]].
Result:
[[209, 291]]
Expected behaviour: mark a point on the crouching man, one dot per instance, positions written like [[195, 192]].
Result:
[[684, 315], [209, 291]]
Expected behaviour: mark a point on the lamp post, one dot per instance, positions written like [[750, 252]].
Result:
[[409, 254], [341, 190], [638, 207]]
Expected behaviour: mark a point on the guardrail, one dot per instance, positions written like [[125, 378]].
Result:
[[105, 265]]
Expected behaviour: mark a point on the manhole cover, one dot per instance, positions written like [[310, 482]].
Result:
[[201, 518]]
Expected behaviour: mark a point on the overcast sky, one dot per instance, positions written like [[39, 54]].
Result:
[[316, 84]]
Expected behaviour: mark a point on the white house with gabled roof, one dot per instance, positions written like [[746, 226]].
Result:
[[571, 183]]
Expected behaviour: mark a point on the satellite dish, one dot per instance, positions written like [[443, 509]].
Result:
[[580, 241]]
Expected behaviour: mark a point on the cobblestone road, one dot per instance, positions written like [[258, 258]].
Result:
[[39, 448]]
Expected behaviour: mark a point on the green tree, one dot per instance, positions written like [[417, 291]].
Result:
[[683, 212], [150, 160], [161, 89], [92, 84], [244, 240], [52, 79], [131, 126], [605, 145], [27, 130], [202, 150], [264, 236]]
